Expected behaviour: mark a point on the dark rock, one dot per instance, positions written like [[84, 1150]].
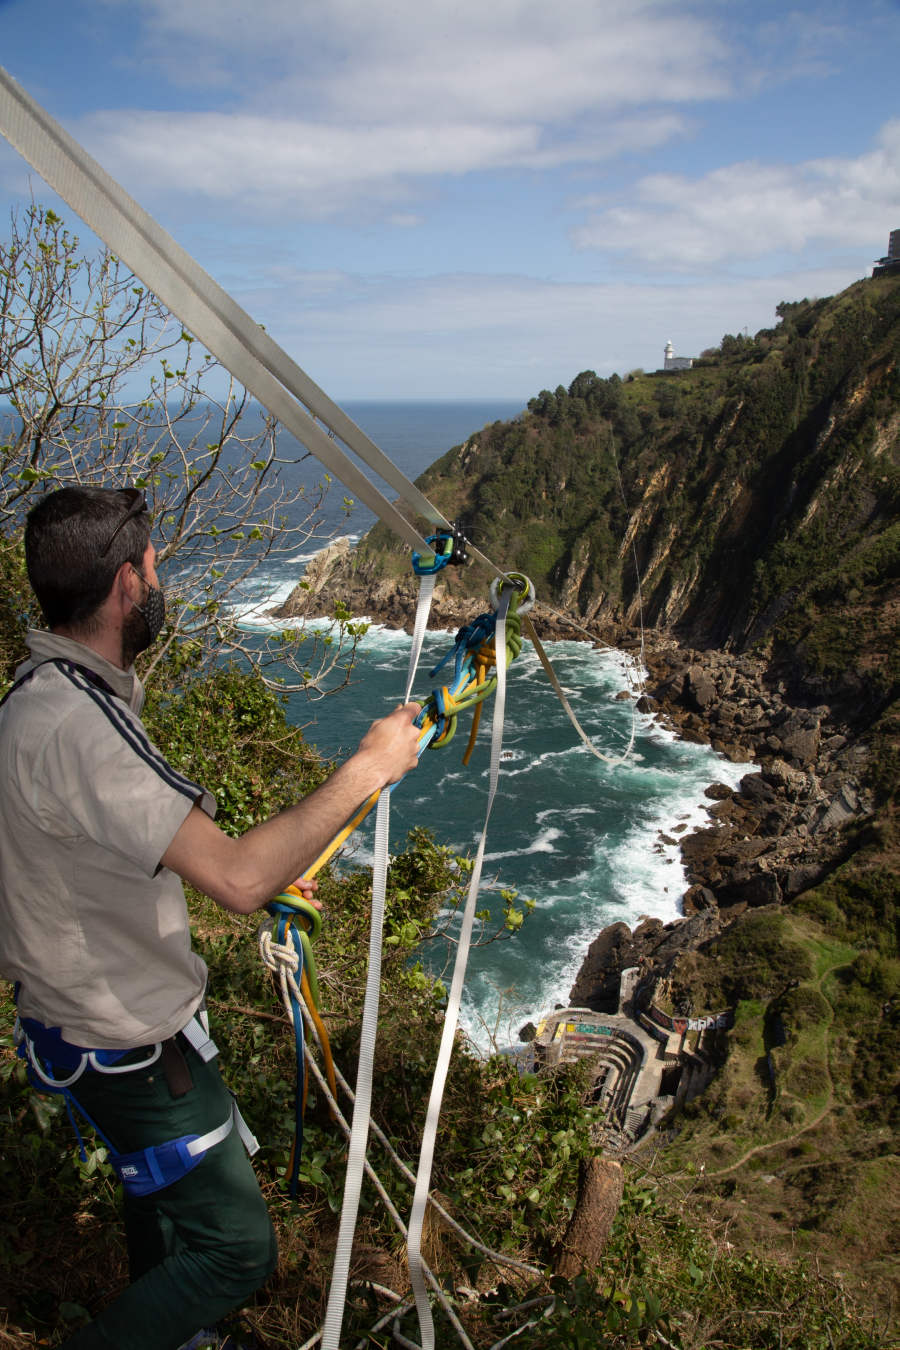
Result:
[[698, 898], [527, 1033], [799, 879], [758, 888], [756, 788], [799, 737], [597, 983], [699, 690]]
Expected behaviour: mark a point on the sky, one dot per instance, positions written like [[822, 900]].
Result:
[[426, 199]]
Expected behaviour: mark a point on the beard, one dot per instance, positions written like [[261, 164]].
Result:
[[135, 637]]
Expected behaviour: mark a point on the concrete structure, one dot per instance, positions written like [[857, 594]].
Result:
[[645, 1061], [890, 263], [673, 362]]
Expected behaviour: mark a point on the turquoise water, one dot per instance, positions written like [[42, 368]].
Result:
[[581, 838]]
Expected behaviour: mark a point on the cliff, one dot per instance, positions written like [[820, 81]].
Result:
[[747, 504]]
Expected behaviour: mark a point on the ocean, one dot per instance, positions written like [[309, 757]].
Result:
[[589, 842]]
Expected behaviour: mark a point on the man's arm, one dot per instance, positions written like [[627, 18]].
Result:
[[242, 874]]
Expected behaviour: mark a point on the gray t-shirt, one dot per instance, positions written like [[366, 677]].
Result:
[[91, 924]]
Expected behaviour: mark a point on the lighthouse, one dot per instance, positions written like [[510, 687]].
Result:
[[673, 362]]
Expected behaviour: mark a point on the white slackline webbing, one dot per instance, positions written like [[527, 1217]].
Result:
[[206, 310], [362, 1107], [359, 1130], [451, 1016]]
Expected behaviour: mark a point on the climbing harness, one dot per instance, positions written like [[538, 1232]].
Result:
[[150, 1169]]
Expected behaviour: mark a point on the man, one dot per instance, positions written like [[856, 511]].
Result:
[[98, 833]]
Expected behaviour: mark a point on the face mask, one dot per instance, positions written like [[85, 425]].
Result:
[[152, 611]]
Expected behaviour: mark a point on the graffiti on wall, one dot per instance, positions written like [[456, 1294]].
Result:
[[715, 1022]]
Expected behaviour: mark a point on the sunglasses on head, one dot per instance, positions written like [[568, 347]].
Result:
[[137, 504]]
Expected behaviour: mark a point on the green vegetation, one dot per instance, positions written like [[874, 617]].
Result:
[[76, 332], [803, 1119]]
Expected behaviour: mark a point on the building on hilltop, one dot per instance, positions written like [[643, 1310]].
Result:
[[673, 362], [892, 262]]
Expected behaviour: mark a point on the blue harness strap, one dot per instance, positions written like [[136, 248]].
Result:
[[46, 1053], [152, 1169]]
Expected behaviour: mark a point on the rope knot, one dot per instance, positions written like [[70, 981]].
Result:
[[276, 955]]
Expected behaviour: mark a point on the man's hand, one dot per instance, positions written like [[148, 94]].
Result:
[[392, 743], [307, 886], [242, 874]]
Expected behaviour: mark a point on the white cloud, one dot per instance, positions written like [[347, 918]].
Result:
[[748, 211], [248, 159], [318, 168], [331, 102], [459, 59]]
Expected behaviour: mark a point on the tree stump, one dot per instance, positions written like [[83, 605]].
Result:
[[601, 1182]]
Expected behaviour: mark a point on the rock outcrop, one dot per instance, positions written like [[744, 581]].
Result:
[[779, 833]]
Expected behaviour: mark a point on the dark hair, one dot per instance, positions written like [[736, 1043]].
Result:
[[71, 562]]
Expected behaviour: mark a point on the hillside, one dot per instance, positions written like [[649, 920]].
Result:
[[757, 498]]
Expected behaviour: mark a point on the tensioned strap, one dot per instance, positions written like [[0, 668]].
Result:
[[451, 1016], [362, 1108], [205, 309]]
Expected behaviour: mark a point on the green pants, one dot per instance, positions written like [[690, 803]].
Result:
[[198, 1248]]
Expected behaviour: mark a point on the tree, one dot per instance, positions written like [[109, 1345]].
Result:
[[106, 388]]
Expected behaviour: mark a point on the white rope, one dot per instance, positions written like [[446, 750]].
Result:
[[282, 960], [499, 1258], [612, 760]]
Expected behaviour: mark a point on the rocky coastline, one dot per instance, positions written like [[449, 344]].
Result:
[[777, 834], [781, 831]]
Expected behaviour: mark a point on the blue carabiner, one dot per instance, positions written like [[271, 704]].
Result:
[[427, 564]]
